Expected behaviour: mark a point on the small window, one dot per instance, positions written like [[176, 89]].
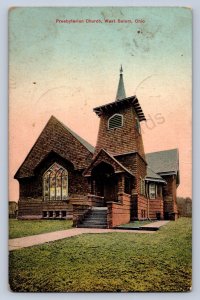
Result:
[[57, 214], [64, 213], [115, 121], [152, 191], [44, 214], [51, 214]]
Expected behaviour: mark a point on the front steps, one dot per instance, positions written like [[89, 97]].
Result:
[[96, 219]]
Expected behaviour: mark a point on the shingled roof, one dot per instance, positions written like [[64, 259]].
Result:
[[152, 176], [129, 101], [56, 138], [80, 139], [103, 155], [166, 161]]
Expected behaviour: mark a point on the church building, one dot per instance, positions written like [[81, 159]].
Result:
[[64, 177]]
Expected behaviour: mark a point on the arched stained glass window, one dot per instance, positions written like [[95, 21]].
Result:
[[55, 183]]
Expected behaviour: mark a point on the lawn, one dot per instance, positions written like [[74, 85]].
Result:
[[20, 228], [112, 262]]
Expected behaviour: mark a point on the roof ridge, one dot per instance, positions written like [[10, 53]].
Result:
[[118, 162], [162, 151], [78, 137], [156, 176], [154, 172], [29, 153], [166, 161], [110, 155]]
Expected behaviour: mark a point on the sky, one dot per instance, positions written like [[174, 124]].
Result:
[[66, 70]]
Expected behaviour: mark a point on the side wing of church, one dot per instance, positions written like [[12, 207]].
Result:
[[63, 176]]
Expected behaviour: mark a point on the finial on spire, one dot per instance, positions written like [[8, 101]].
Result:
[[121, 70], [121, 90]]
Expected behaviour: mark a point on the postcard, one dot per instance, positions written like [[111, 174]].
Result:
[[100, 149]]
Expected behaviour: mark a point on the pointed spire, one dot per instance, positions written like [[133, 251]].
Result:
[[121, 90]]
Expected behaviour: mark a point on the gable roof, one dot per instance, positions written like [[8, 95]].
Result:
[[57, 138], [104, 153], [152, 176], [79, 138], [164, 162]]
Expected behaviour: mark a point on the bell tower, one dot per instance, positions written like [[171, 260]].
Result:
[[119, 128]]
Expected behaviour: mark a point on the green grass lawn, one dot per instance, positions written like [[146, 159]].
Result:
[[20, 228], [117, 262]]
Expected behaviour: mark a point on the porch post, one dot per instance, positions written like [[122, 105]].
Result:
[[121, 183]]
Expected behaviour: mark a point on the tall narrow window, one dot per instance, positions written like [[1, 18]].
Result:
[[59, 184], [115, 121], [64, 185], [52, 185], [55, 183], [46, 182], [152, 191]]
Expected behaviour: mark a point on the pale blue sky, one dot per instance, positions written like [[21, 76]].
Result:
[[40, 45]]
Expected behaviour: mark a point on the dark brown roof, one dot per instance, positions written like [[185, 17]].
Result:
[[164, 162], [59, 139], [80, 139], [133, 101]]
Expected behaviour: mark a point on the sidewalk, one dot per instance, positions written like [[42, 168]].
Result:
[[33, 240], [156, 224]]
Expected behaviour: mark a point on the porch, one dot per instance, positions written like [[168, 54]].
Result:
[[110, 188]]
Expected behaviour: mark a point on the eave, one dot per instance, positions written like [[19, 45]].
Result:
[[132, 101], [155, 180]]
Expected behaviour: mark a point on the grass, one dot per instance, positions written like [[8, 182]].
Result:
[[112, 262], [20, 228]]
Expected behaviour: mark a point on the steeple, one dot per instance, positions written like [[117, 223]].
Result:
[[121, 90]]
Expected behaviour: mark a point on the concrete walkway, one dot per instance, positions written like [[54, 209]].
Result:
[[156, 224], [38, 239]]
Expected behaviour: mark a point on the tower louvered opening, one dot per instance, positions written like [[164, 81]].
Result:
[[115, 121]]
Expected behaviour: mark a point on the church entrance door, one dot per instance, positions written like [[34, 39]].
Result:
[[105, 182]]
